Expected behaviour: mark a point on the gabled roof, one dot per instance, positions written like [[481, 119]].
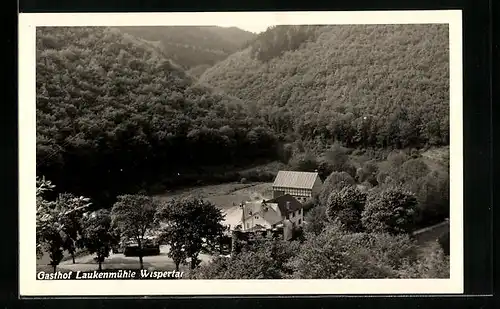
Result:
[[298, 180], [256, 208], [282, 202]]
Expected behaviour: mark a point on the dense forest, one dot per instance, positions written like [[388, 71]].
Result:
[[123, 114], [364, 85], [113, 115], [193, 47], [116, 115]]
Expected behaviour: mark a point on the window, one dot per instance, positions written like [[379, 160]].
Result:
[[256, 217], [292, 215], [248, 225], [299, 221]]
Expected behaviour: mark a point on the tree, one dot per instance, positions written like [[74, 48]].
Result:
[[336, 181], [52, 218], [190, 224], [321, 257], [433, 195], [304, 163], [390, 210], [412, 170], [71, 222], [339, 160], [338, 254], [134, 216], [432, 264], [315, 220], [325, 168], [266, 258], [347, 205], [44, 215], [368, 172], [396, 159], [98, 235]]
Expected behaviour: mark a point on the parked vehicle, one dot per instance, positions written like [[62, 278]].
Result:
[[128, 247]]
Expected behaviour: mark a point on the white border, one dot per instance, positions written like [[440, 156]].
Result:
[[29, 286]]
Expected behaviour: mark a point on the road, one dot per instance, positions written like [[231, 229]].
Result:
[[119, 261]]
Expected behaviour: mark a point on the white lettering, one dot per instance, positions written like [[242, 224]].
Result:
[[40, 275]]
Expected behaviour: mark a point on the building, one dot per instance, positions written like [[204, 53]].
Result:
[[266, 215], [301, 185]]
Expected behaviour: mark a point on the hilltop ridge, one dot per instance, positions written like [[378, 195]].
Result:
[[364, 85]]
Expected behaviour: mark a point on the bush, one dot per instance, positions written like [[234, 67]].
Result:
[[347, 205], [433, 197], [334, 182], [338, 158], [434, 264], [391, 210], [412, 170], [336, 254], [396, 159], [368, 172], [304, 163], [315, 220], [243, 180], [265, 259], [309, 204], [324, 169]]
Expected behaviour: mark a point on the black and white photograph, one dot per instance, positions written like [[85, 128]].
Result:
[[319, 148]]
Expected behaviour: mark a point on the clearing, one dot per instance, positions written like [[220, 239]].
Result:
[[224, 196]]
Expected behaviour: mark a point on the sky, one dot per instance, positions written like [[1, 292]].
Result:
[[255, 28]]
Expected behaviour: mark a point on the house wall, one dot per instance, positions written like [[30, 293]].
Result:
[[253, 221], [300, 194], [318, 184], [297, 217]]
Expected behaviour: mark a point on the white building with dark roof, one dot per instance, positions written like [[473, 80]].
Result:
[[301, 185], [270, 214]]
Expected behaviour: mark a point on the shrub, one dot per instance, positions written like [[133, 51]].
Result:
[[324, 169], [315, 220], [337, 254], [391, 210], [304, 163], [433, 264], [433, 197], [396, 159], [339, 160], [368, 172], [412, 169], [347, 205], [243, 180], [334, 182]]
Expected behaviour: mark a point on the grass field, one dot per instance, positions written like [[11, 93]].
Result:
[[224, 196]]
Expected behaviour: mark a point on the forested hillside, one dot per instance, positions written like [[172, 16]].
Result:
[[192, 46], [114, 116], [363, 85]]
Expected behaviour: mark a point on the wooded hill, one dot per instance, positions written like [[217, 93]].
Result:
[[363, 85], [113, 116], [193, 47]]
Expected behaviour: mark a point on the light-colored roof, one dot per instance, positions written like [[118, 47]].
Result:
[[291, 179], [256, 208]]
